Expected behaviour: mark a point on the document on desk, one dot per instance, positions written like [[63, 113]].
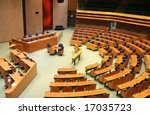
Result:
[[13, 84]]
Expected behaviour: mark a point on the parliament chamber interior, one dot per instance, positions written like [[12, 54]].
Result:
[[74, 49]]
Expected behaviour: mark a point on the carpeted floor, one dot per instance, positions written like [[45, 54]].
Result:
[[47, 66]]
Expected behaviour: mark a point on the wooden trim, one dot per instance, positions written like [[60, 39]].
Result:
[[115, 17]]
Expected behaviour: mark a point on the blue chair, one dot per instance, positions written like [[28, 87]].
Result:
[[61, 50], [48, 45], [98, 44]]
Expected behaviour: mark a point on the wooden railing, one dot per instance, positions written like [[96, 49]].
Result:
[[113, 16]]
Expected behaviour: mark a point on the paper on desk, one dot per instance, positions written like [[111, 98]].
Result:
[[13, 84]]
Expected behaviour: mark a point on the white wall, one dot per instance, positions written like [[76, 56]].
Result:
[[60, 13]]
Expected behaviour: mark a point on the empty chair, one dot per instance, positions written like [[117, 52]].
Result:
[[103, 95], [91, 87], [67, 89], [58, 80], [79, 88], [71, 80], [54, 89], [83, 79]]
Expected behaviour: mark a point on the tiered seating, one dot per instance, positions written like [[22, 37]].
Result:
[[118, 37], [84, 33], [110, 50], [100, 71], [134, 86], [136, 63], [142, 94], [73, 42], [69, 77], [125, 50], [92, 67], [143, 46], [147, 62], [98, 43], [67, 71], [74, 85], [145, 41], [136, 49], [107, 61], [99, 93], [113, 80], [119, 60], [125, 34], [129, 52], [124, 63], [131, 34], [115, 39], [108, 42], [91, 46], [102, 52]]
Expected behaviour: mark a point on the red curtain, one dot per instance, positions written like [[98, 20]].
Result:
[[47, 14]]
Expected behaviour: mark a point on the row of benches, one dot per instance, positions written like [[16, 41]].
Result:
[[70, 84]]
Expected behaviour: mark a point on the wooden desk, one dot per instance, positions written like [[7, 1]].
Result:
[[37, 44], [76, 56], [102, 71], [72, 84], [111, 43], [119, 60], [17, 55], [6, 67], [73, 42], [132, 82], [67, 71], [142, 94], [55, 47], [102, 44], [127, 50], [104, 59], [39, 36], [84, 40], [98, 93], [117, 76], [147, 47], [147, 62], [91, 67], [91, 46], [114, 51], [102, 52], [133, 60], [146, 41], [138, 49], [26, 63], [69, 77], [21, 81]]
